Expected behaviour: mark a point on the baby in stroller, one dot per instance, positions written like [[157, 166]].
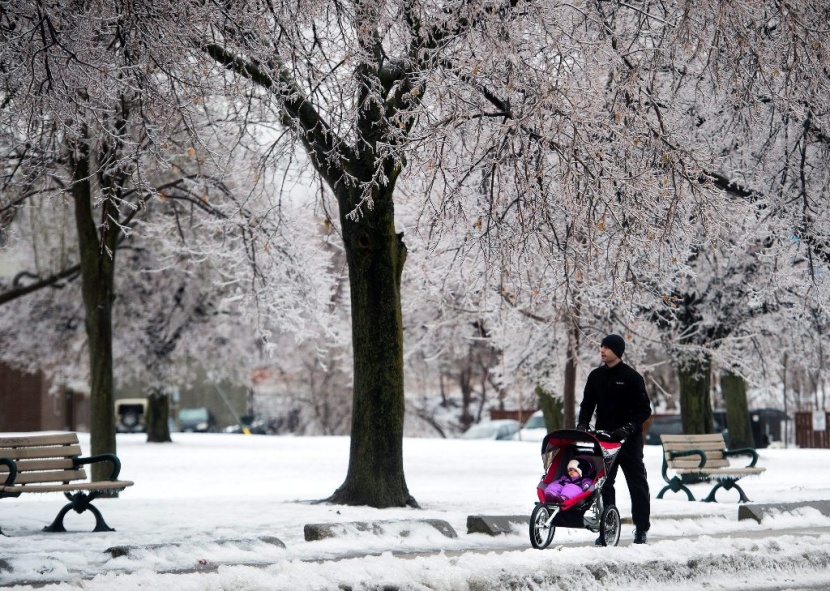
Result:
[[569, 485], [575, 484]]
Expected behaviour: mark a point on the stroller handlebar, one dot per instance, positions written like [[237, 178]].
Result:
[[606, 436]]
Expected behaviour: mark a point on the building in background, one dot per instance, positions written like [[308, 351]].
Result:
[[29, 403]]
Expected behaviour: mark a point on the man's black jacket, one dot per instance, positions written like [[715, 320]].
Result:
[[618, 394]]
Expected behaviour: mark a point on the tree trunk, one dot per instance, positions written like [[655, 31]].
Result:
[[156, 420], [695, 398], [551, 409], [733, 387], [569, 393], [465, 383], [97, 255], [376, 257]]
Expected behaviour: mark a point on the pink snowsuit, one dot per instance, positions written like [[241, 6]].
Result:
[[566, 487]]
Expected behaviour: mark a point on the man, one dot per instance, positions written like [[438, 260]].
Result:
[[618, 394]]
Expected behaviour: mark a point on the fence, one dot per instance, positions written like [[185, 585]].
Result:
[[806, 436]]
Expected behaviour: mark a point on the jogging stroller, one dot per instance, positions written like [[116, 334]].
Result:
[[596, 455]]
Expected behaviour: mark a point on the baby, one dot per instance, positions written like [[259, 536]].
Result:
[[568, 485]]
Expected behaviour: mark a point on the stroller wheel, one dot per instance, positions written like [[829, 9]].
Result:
[[609, 526], [541, 534]]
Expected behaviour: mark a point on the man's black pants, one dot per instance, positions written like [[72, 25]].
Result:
[[630, 459]]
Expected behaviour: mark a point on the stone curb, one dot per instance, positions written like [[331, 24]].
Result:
[[320, 531], [494, 525], [757, 511], [118, 551]]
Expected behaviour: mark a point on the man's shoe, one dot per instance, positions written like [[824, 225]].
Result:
[[598, 541], [640, 536]]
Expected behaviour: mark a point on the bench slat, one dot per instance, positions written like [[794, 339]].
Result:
[[40, 440], [40, 464], [50, 476], [46, 488], [40, 452], [705, 446], [695, 439], [725, 472], [23, 453], [694, 461], [711, 458]]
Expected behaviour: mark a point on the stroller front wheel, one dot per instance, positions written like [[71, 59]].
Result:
[[609, 526], [541, 534]]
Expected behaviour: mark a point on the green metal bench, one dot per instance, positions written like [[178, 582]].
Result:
[[46, 463], [704, 458]]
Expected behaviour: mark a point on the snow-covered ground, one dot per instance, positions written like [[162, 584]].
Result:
[[204, 509]]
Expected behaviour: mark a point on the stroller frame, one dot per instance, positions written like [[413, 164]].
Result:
[[587, 510]]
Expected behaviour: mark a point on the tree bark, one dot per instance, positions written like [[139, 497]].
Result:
[[156, 420], [569, 393], [97, 254], [733, 387], [376, 256], [695, 397], [551, 409]]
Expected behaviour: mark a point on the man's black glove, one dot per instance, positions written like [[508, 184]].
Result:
[[623, 432], [582, 426]]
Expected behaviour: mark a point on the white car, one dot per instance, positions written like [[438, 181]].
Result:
[[534, 429], [500, 430]]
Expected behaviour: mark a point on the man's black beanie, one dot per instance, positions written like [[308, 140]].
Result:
[[614, 342]]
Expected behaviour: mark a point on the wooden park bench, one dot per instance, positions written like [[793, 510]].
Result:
[[704, 458], [46, 463]]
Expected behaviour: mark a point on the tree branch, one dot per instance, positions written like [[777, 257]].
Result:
[[16, 292], [320, 141]]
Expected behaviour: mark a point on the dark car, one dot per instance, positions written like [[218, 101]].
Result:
[[673, 425], [663, 425], [196, 420]]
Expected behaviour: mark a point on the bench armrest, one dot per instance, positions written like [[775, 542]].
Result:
[[691, 452], [116, 463], [744, 451], [12, 470]]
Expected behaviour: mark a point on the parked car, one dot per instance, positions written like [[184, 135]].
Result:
[[663, 425], [251, 425], [672, 424], [534, 429], [129, 415], [196, 420], [500, 430]]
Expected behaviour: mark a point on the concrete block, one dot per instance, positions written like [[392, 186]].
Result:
[[117, 551], [402, 528], [757, 511], [494, 525]]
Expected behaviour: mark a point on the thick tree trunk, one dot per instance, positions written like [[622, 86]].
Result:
[[733, 387], [695, 398], [156, 420], [376, 256], [97, 255], [551, 409]]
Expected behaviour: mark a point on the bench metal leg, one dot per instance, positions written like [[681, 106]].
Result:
[[676, 485], [726, 485], [78, 502]]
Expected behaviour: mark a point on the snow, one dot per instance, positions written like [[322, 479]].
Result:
[[204, 509]]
